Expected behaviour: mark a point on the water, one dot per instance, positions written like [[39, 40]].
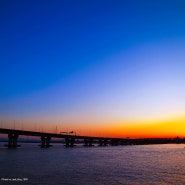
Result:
[[119, 165]]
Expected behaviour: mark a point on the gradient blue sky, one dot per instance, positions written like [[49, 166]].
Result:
[[91, 63]]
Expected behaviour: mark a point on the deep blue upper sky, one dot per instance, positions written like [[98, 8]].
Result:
[[45, 43]]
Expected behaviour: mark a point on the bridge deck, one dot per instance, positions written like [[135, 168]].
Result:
[[53, 135], [88, 140]]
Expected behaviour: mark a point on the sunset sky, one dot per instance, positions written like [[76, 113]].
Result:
[[97, 67]]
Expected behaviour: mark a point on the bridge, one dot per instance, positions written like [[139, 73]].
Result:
[[70, 140]]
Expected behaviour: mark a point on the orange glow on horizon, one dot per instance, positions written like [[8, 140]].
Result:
[[146, 129], [120, 129], [169, 129]]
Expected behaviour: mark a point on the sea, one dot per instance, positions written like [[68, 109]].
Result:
[[79, 165]]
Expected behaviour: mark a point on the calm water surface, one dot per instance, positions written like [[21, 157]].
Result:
[[126, 165]]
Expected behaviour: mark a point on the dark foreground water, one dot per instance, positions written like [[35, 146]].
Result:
[[129, 165]]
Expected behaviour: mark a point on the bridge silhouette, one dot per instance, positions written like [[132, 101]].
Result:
[[70, 139]]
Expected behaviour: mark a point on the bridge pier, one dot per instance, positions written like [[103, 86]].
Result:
[[103, 142], [88, 142], [12, 140], [70, 141], [114, 142], [124, 142], [100, 142], [45, 141]]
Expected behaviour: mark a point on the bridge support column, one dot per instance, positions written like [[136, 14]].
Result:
[[12, 140], [123, 142], [114, 142], [45, 141], [102, 142], [70, 141], [88, 142], [105, 142]]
